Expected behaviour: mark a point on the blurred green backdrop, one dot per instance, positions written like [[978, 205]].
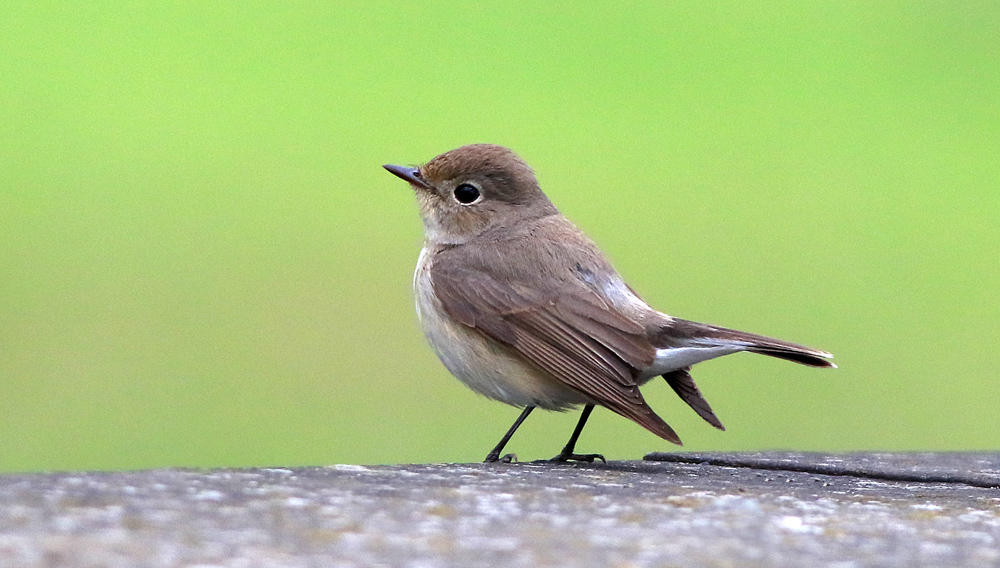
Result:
[[203, 263]]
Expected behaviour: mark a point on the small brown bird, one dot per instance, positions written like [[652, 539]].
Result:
[[523, 308]]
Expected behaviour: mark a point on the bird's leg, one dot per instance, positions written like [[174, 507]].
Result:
[[567, 452], [494, 456]]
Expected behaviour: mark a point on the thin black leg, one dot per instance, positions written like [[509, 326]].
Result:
[[567, 452], [494, 456]]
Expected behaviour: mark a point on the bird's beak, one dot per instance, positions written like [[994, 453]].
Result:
[[411, 175]]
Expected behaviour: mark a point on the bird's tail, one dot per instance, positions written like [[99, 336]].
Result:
[[689, 333]]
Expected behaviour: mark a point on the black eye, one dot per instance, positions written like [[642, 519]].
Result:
[[466, 193]]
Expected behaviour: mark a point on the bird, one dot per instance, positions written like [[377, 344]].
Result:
[[522, 307]]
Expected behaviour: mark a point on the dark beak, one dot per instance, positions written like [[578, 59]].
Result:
[[411, 175]]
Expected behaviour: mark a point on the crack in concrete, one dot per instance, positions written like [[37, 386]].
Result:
[[973, 480]]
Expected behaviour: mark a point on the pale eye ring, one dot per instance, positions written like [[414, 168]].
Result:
[[466, 193]]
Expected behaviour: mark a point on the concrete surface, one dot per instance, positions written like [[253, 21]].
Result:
[[773, 509]]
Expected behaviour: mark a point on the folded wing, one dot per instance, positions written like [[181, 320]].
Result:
[[568, 331]]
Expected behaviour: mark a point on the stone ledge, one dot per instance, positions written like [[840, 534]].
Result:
[[772, 509]]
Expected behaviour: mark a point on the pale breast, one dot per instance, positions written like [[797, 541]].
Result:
[[487, 367]]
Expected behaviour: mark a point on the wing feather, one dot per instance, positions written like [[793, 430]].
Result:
[[569, 332]]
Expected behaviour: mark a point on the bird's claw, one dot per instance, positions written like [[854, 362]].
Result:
[[563, 458], [506, 458]]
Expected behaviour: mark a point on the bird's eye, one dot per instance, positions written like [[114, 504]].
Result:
[[466, 193]]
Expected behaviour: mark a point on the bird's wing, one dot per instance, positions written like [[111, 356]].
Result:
[[559, 324]]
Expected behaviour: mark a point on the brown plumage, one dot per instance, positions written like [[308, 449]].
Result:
[[521, 306]]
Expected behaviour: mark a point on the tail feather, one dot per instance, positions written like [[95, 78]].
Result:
[[803, 357], [683, 332], [682, 383]]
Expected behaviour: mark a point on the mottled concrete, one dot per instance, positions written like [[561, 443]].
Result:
[[747, 510]]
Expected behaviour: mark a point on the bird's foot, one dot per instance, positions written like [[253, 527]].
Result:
[[568, 457], [496, 458]]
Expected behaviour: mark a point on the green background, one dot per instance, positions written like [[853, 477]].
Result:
[[203, 263]]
